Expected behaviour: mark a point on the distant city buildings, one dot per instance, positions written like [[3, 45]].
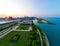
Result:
[[9, 18], [26, 22]]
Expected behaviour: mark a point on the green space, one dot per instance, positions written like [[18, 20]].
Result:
[[21, 38], [23, 27], [43, 37], [34, 37]]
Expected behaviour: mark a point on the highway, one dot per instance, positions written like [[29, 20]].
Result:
[[6, 31]]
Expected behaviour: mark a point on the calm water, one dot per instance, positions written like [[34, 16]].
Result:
[[52, 31]]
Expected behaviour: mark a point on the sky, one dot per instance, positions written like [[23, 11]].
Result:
[[38, 8]]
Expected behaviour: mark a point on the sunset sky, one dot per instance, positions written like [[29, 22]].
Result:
[[43, 8]]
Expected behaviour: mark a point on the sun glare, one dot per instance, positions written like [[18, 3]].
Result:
[[7, 15], [14, 9]]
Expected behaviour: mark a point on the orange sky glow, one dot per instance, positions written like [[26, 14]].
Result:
[[15, 15]]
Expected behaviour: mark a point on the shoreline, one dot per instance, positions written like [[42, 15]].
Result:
[[44, 21], [47, 41], [45, 36]]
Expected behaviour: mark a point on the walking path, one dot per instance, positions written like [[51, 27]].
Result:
[[47, 42], [40, 37], [30, 28], [5, 32]]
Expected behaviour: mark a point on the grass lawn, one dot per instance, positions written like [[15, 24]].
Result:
[[43, 39], [22, 41], [25, 38], [23, 28]]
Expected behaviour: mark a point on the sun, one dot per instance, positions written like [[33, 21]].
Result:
[[8, 15]]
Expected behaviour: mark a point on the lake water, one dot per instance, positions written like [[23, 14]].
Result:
[[52, 30]]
